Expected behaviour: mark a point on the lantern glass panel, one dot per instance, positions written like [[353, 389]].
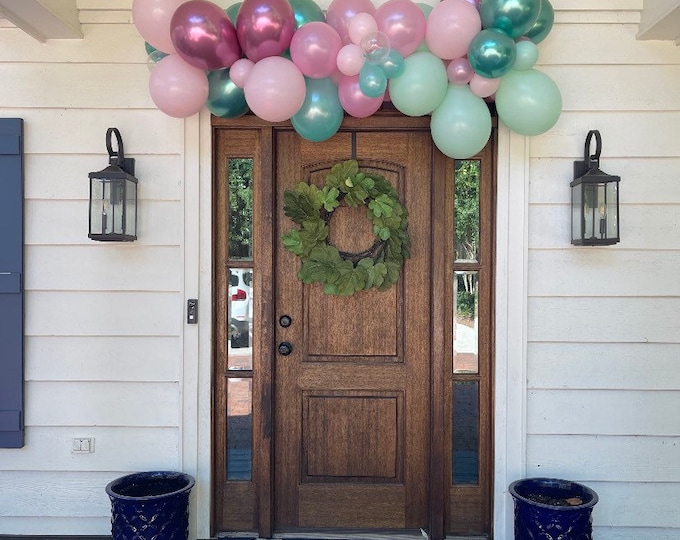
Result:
[[612, 209], [131, 209], [576, 208]]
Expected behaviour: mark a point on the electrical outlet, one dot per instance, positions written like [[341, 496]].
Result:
[[82, 445]]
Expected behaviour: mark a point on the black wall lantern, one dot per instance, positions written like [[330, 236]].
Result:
[[113, 197], [594, 200]]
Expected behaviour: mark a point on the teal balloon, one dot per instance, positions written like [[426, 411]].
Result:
[[232, 12], [225, 99], [527, 55], [514, 17], [421, 87], [461, 125], [321, 114], [306, 11], [544, 23], [528, 102], [149, 48], [492, 53], [393, 65], [372, 80]]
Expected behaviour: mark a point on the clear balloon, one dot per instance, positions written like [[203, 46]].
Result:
[[422, 85], [403, 22], [451, 26], [376, 47], [544, 23], [240, 71], [204, 36], [340, 12], [152, 20], [177, 88], [321, 114], [528, 102], [275, 89], [483, 87], [360, 26], [527, 55], [514, 17], [306, 11], [265, 27], [461, 125], [393, 66], [314, 49], [225, 99], [492, 53], [459, 71], [372, 80], [350, 59], [354, 101]]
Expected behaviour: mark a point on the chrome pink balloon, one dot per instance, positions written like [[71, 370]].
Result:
[[459, 71], [152, 20], [341, 11], [265, 27], [403, 22], [177, 88], [204, 36], [275, 89], [314, 49], [451, 26], [354, 101]]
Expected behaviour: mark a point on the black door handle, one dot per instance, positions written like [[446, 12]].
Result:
[[285, 348]]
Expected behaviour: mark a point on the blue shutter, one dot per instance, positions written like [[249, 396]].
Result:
[[11, 287]]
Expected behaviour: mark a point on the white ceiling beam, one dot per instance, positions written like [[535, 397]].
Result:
[[44, 19], [660, 20]]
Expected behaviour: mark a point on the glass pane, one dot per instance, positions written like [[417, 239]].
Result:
[[241, 209], [465, 432], [239, 429], [466, 210], [465, 322], [611, 197], [130, 209], [240, 346]]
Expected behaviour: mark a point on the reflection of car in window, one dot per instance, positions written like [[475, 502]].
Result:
[[240, 306]]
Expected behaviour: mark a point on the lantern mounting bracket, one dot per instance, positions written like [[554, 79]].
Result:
[[582, 167], [118, 158]]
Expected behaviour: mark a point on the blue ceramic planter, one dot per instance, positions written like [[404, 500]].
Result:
[[150, 506], [552, 509]]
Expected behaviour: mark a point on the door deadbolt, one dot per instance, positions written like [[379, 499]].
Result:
[[285, 348]]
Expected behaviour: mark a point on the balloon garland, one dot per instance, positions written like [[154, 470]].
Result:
[[312, 208], [288, 60]]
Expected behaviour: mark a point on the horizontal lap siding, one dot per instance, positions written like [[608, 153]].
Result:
[[603, 352], [103, 321]]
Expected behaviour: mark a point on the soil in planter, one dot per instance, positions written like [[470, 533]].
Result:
[[554, 501]]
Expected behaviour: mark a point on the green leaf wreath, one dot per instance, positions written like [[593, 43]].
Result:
[[339, 272]]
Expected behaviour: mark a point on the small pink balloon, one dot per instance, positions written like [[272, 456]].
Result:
[[177, 88], [360, 26], [354, 101], [265, 27], [459, 71], [483, 87], [204, 36], [275, 90], [240, 71], [474, 3], [152, 20], [314, 49], [451, 26], [340, 12], [403, 22], [350, 59]]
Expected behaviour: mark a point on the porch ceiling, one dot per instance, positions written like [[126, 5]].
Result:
[[44, 19], [660, 20]]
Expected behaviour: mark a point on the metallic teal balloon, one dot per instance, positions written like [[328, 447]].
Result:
[[492, 53], [514, 17], [232, 12], [393, 65], [306, 11], [225, 99], [544, 23], [372, 80], [321, 114]]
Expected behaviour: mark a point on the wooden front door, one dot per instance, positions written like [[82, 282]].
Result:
[[352, 399]]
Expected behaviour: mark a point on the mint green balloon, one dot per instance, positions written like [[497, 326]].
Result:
[[461, 125], [426, 9], [422, 85], [528, 102], [526, 57]]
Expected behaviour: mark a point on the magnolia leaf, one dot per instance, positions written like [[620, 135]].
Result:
[[301, 203]]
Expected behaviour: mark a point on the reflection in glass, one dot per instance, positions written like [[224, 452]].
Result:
[[466, 210], [465, 432], [465, 322], [239, 429], [240, 209], [240, 304]]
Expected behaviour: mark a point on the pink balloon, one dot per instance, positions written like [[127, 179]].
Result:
[[240, 71], [350, 59], [314, 49], [178, 89], [459, 71], [450, 28], [152, 20], [403, 22], [483, 87], [340, 12], [204, 36], [265, 27], [354, 101], [360, 26], [275, 90]]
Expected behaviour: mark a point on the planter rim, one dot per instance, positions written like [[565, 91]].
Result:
[[111, 487], [559, 484]]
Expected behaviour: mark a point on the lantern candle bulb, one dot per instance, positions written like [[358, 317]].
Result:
[[603, 220]]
